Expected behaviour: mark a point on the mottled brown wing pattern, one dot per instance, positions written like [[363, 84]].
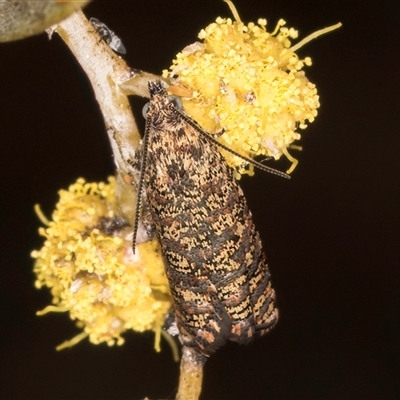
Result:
[[215, 264]]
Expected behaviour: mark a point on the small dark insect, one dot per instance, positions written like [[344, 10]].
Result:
[[108, 36], [111, 225], [215, 264]]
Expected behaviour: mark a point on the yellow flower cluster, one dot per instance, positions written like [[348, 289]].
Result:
[[250, 83], [88, 263]]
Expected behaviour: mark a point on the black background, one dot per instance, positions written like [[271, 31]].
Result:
[[331, 233]]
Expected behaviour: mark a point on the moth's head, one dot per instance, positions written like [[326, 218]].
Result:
[[156, 88], [161, 104]]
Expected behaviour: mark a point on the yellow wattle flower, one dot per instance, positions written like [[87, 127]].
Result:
[[88, 263], [250, 83]]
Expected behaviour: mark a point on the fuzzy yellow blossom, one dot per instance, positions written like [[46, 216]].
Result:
[[88, 264], [250, 83]]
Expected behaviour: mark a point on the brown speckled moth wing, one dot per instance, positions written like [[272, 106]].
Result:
[[215, 264]]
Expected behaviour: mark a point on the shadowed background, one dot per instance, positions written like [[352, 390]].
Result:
[[330, 234]]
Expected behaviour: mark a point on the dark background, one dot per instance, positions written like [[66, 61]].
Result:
[[331, 233]]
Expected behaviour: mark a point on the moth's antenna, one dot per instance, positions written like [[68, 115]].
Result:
[[208, 137], [139, 202]]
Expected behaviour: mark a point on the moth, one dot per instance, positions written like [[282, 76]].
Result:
[[108, 36], [215, 264]]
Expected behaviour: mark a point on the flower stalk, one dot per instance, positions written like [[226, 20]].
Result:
[[87, 257]]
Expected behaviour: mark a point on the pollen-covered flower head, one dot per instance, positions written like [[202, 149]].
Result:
[[88, 263], [249, 82]]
